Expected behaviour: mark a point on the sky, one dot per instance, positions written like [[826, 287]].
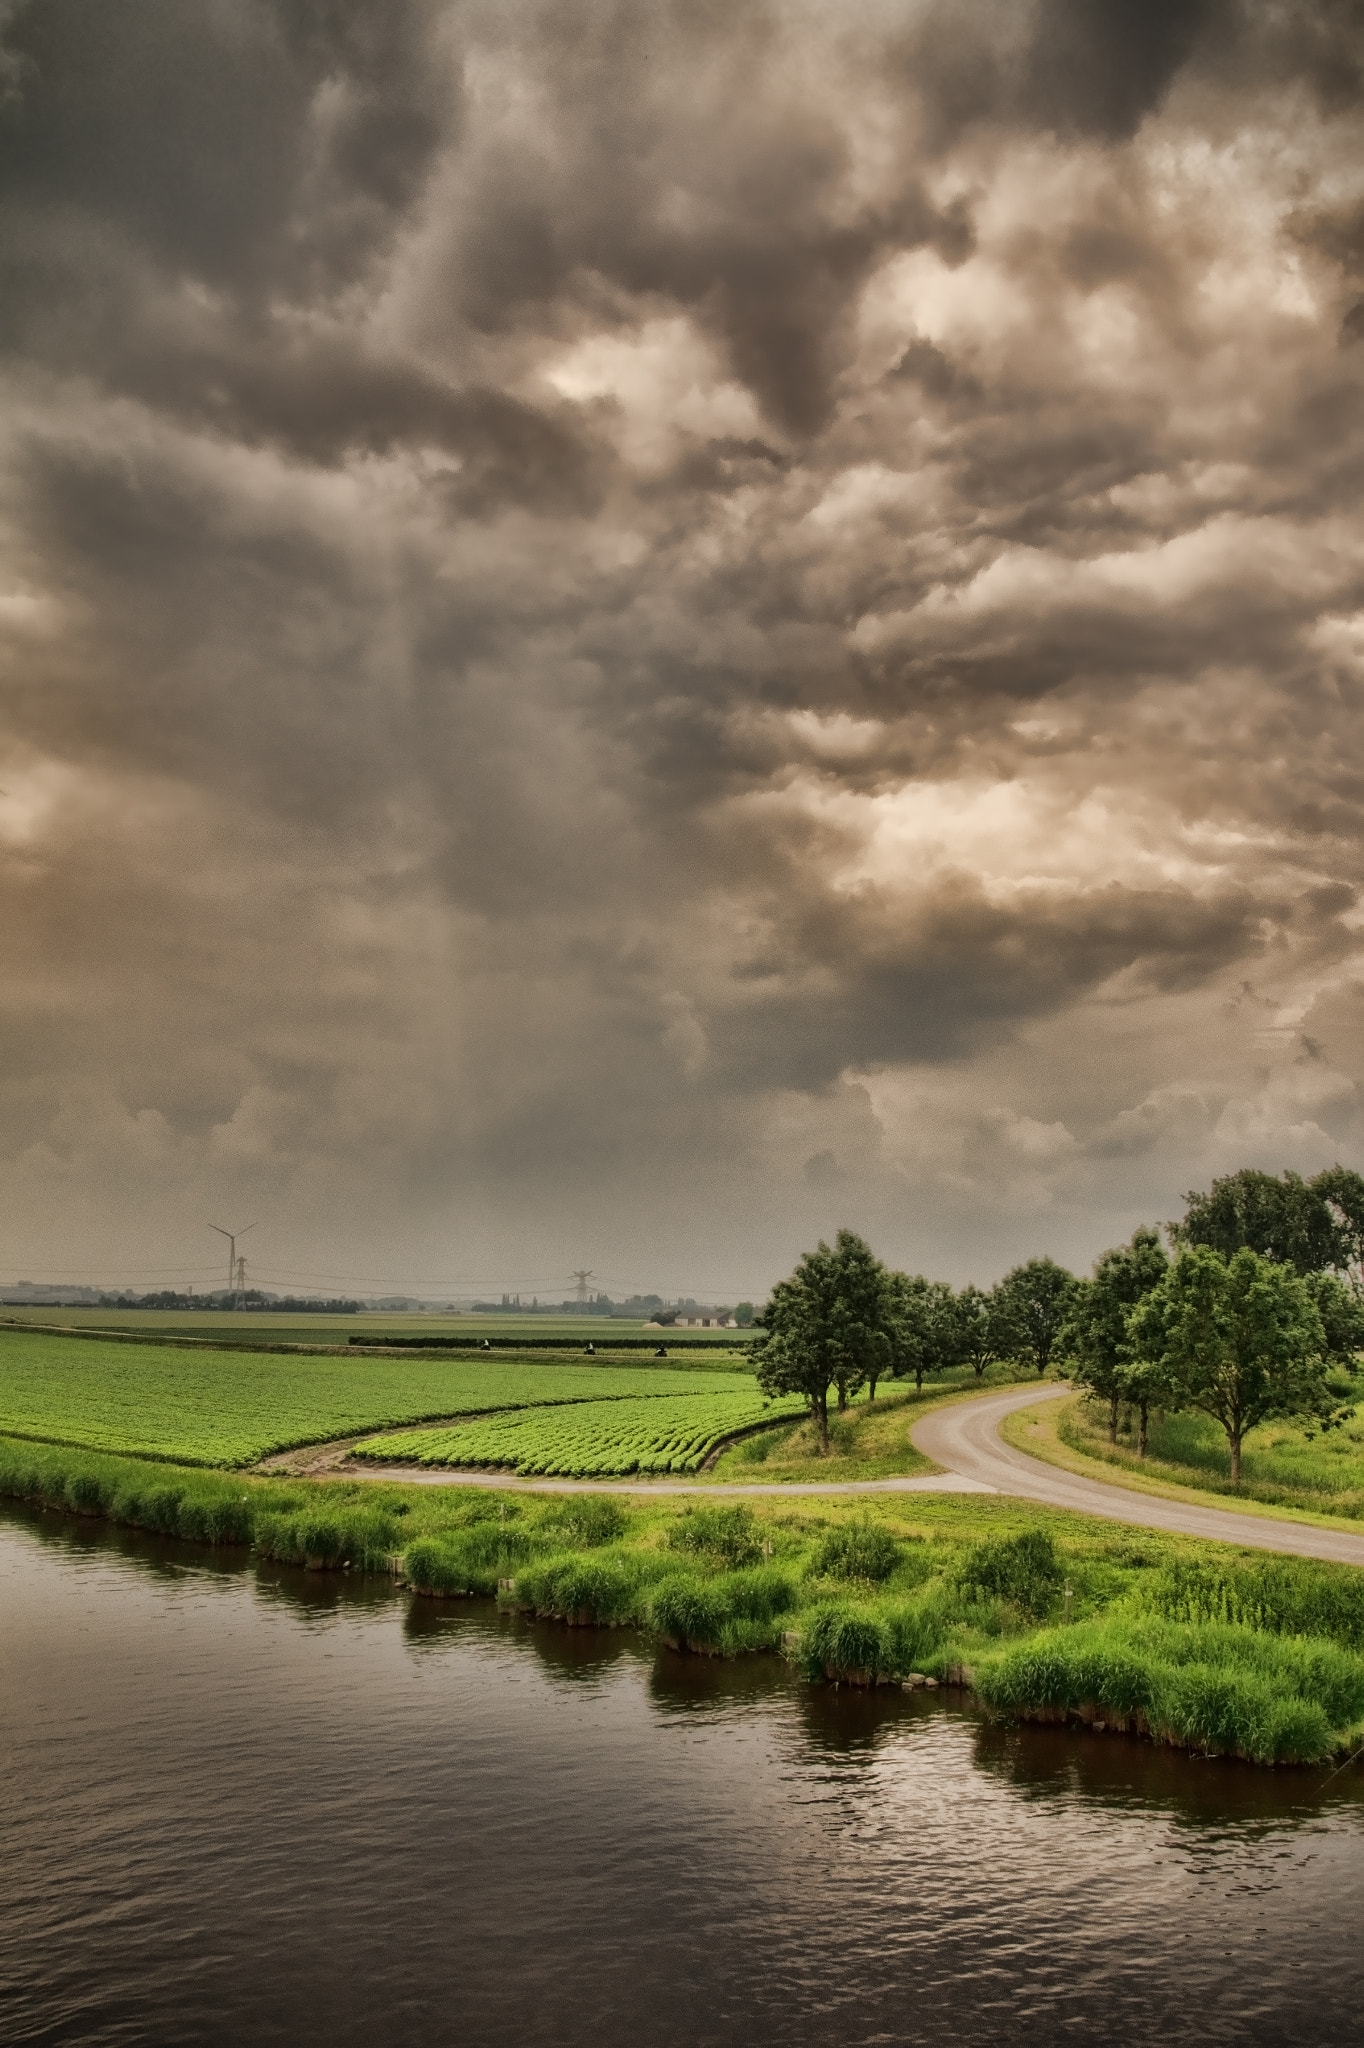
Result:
[[634, 632]]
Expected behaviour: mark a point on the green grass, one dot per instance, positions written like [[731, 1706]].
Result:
[[232, 1407], [1192, 1643], [593, 1438], [1290, 1465]]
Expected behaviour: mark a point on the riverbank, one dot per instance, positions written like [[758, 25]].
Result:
[[1045, 1614]]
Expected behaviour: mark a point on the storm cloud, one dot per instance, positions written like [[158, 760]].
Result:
[[631, 632]]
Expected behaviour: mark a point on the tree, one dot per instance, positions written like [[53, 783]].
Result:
[[1148, 1383], [924, 1326], [743, 1315], [1342, 1318], [826, 1326], [1034, 1301], [1343, 1193], [1096, 1329], [980, 1331], [1286, 1219], [1239, 1338]]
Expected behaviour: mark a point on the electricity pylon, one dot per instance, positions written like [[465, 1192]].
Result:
[[582, 1275], [231, 1236]]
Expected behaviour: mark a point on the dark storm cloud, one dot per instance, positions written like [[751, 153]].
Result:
[[597, 583], [196, 131]]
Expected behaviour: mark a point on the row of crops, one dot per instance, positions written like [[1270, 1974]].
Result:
[[671, 1433], [229, 1408]]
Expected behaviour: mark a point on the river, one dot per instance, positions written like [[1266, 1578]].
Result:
[[254, 1805]]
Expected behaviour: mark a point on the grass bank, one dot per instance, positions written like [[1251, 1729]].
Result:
[[1046, 1615], [1289, 1469]]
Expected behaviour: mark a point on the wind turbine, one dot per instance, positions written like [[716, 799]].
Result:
[[231, 1236]]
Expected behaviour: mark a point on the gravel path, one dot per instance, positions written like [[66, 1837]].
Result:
[[965, 1438], [424, 1475]]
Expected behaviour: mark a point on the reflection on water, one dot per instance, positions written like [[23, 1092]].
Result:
[[254, 1804]]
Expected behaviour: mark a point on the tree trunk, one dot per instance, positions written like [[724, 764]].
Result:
[[918, 1379], [1141, 1433], [1112, 1418], [842, 1395], [820, 1404], [1234, 1439], [871, 1387]]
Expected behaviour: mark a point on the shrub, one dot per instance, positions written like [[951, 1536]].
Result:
[[759, 1595], [1223, 1689], [860, 1550], [589, 1521], [689, 1613], [433, 1566], [727, 1534], [1023, 1570], [85, 1494], [580, 1589], [847, 1643], [327, 1537]]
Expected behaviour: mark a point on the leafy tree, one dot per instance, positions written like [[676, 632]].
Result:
[[1287, 1219], [1034, 1302], [1096, 1329], [826, 1327], [743, 1315], [982, 1333], [1240, 1339], [1342, 1318], [1343, 1193], [923, 1325]]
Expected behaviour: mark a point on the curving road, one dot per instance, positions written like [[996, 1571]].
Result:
[[965, 1439]]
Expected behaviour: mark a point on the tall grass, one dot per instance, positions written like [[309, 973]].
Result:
[[1218, 1688], [1315, 1466]]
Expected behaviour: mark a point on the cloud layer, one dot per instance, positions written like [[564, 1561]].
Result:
[[632, 632]]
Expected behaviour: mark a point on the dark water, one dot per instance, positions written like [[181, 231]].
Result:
[[251, 1807]]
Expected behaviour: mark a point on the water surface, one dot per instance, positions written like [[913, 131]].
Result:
[[256, 1805]]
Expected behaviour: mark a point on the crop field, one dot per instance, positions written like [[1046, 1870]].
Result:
[[267, 1326], [592, 1438], [205, 1407]]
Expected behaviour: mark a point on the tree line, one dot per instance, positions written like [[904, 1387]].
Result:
[[1260, 1295]]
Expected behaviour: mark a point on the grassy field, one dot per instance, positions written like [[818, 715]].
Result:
[[1288, 1465], [1046, 1615], [232, 1407], [592, 1438], [265, 1327]]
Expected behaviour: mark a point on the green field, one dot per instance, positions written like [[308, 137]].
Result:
[[1044, 1614], [1284, 1464], [265, 1327], [230, 1408], [593, 1438]]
